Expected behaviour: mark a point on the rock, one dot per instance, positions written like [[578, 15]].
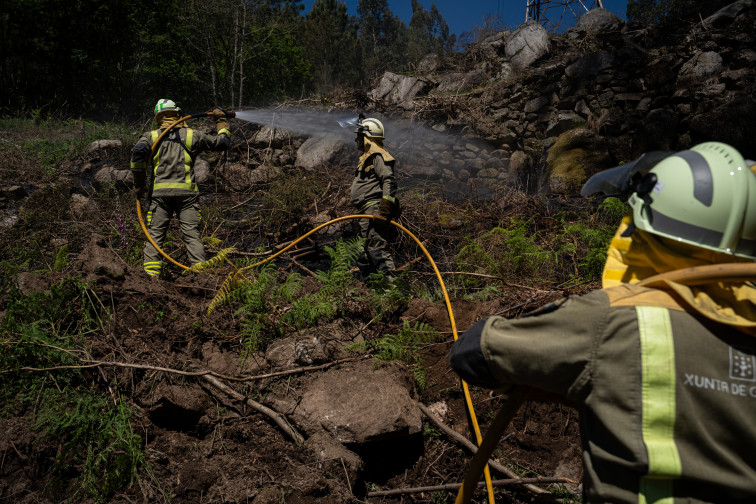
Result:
[[98, 262], [331, 454], [590, 64], [81, 206], [30, 283], [317, 152], [108, 173], [529, 42], [102, 149], [562, 121], [398, 89], [701, 65], [661, 129], [271, 137], [241, 177], [598, 21], [362, 404], [429, 64], [727, 15], [451, 83], [575, 156]]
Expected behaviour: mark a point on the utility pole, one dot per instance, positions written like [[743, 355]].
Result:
[[553, 13]]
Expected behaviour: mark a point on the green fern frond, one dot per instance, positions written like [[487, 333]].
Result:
[[213, 262], [61, 259], [223, 292]]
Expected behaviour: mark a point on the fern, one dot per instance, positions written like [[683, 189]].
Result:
[[213, 262], [403, 347], [337, 285], [61, 259]]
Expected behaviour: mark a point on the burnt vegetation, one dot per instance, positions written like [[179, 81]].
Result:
[[191, 388]]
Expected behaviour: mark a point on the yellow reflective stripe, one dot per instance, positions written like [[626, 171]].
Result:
[[188, 158], [390, 198], [156, 154], [142, 166], [658, 403], [153, 267], [369, 204], [149, 218], [224, 131], [175, 185]]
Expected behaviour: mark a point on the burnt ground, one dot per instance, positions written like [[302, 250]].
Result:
[[222, 451], [156, 338]]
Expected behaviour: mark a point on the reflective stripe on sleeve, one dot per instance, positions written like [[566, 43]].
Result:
[[658, 403]]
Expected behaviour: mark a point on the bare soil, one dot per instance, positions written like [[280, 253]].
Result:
[[232, 454]]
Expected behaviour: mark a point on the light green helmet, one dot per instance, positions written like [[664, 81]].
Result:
[[371, 128], [705, 196], [165, 105]]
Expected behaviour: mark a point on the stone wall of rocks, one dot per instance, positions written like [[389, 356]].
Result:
[[615, 89]]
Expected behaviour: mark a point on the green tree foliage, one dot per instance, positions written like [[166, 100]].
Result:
[[383, 37], [330, 43], [428, 33], [110, 60]]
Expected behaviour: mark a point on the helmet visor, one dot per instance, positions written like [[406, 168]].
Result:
[[619, 181]]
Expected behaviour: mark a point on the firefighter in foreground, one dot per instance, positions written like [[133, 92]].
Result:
[[173, 187], [373, 192], [665, 377]]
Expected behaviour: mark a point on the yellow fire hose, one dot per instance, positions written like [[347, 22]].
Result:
[[697, 275], [479, 463], [465, 388]]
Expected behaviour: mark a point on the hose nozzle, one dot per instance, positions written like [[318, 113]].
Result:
[[229, 113]]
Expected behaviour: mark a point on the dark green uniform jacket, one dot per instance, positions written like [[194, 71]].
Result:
[[667, 398], [373, 180], [173, 160]]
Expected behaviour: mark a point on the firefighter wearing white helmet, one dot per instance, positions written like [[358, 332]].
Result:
[[373, 192], [664, 374], [173, 187]]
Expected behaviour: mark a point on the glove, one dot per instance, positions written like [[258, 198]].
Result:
[[220, 119], [467, 359], [140, 186], [383, 215], [386, 208]]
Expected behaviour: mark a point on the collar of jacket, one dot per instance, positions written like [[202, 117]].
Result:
[[167, 121], [641, 255], [373, 147]]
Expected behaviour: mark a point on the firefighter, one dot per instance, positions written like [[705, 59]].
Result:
[[664, 375], [373, 192], [173, 188]]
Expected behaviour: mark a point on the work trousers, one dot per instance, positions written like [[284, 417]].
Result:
[[376, 256], [187, 209]]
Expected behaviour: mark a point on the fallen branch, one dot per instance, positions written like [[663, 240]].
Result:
[[89, 363], [278, 419], [455, 486], [473, 448]]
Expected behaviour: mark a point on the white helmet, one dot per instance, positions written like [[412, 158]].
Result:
[[165, 105], [371, 128]]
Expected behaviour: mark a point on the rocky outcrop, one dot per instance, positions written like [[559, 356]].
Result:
[[635, 88]]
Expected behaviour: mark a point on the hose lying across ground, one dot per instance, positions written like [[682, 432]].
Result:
[[233, 277]]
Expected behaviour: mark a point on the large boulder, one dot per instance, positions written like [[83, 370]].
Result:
[[527, 44], [597, 21], [575, 156], [317, 152], [398, 89], [361, 404]]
